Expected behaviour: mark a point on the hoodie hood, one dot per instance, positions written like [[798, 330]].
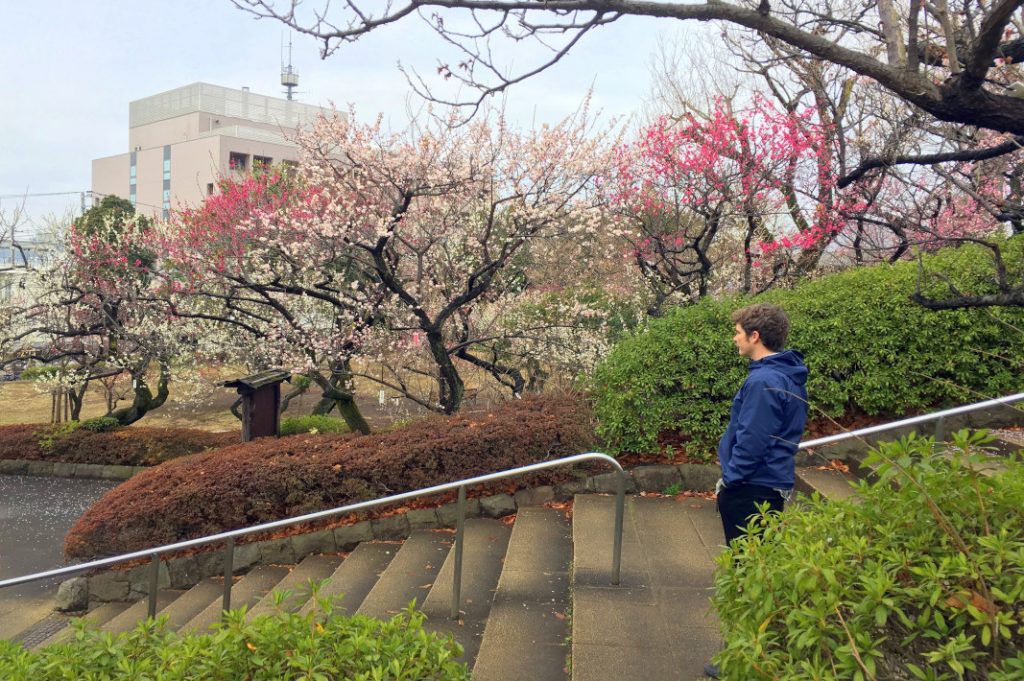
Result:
[[789, 363]]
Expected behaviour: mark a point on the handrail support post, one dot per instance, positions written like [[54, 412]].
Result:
[[154, 583], [620, 509], [229, 569], [460, 535]]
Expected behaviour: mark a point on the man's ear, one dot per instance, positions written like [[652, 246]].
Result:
[[754, 337]]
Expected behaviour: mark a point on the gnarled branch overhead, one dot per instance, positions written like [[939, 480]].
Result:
[[955, 91], [866, 166]]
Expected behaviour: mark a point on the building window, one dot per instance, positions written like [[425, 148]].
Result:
[[209, 189], [166, 214], [133, 172], [131, 197], [167, 168], [237, 161], [261, 162]]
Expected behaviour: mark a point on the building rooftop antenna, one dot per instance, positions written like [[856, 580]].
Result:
[[289, 76]]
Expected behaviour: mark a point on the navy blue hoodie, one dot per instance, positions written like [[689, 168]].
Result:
[[766, 423]]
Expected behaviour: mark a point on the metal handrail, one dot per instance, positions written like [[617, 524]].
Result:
[[914, 420], [460, 485]]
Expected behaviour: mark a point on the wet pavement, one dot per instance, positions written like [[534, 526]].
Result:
[[35, 514]]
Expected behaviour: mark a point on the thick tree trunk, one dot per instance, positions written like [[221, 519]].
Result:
[[144, 401], [335, 394], [76, 399], [449, 383]]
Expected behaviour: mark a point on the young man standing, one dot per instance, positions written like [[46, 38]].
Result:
[[765, 424]]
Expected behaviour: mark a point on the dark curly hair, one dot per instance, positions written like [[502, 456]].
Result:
[[770, 322]]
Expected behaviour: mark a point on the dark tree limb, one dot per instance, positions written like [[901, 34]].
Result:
[[968, 155]]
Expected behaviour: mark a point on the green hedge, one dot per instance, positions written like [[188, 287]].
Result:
[[923, 579], [316, 423], [318, 646], [868, 347]]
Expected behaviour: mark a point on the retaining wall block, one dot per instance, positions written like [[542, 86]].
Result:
[[39, 468], [113, 472], [497, 506], [447, 515], [321, 541], [138, 579], [699, 477], [567, 490], [422, 519], [109, 586], [536, 496], [277, 551], [391, 527], [245, 556], [72, 595], [64, 470], [13, 467], [347, 536], [656, 478], [184, 572], [605, 483]]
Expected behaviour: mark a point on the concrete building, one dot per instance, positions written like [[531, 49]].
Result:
[[184, 140]]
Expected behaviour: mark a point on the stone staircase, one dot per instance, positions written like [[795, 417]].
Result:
[[537, 603]]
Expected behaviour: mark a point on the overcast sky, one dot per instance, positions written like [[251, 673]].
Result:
[[71, 67]]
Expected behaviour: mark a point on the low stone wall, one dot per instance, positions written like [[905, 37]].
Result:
[[181, 573], [67, 470]]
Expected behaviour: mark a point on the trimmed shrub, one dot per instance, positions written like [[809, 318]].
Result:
[[868, 347], [312, 424], [100, 424], [923, 579], [279, 647], [273, 478], [73, 442]]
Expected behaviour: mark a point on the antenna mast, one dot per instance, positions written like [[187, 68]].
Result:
[[289, 76]]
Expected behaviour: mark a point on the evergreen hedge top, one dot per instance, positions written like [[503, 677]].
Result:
[[868, 347]]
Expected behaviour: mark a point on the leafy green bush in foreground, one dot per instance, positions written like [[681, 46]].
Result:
[[922, 579], [312, 424], [317, 646]]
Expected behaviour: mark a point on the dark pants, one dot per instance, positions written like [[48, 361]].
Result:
[[737, 503]]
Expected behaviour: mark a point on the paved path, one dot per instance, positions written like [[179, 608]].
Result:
[[35, 514]]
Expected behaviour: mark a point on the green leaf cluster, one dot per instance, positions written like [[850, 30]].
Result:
[[869, 348], [100, 424], [316, 423], [919, 577], [47, 436], [318, 646]]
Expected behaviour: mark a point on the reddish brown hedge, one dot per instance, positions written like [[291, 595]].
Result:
[[134, 446], [268, 479]]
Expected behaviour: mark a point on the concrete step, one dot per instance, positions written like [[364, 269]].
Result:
[[410, 575], [831, 484], [248, 591], [356, 575], [1008, 442], [191, 603], [296, 584], [660, 618], [96, 618], [139, 611], [528, 624], [485, 544]]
